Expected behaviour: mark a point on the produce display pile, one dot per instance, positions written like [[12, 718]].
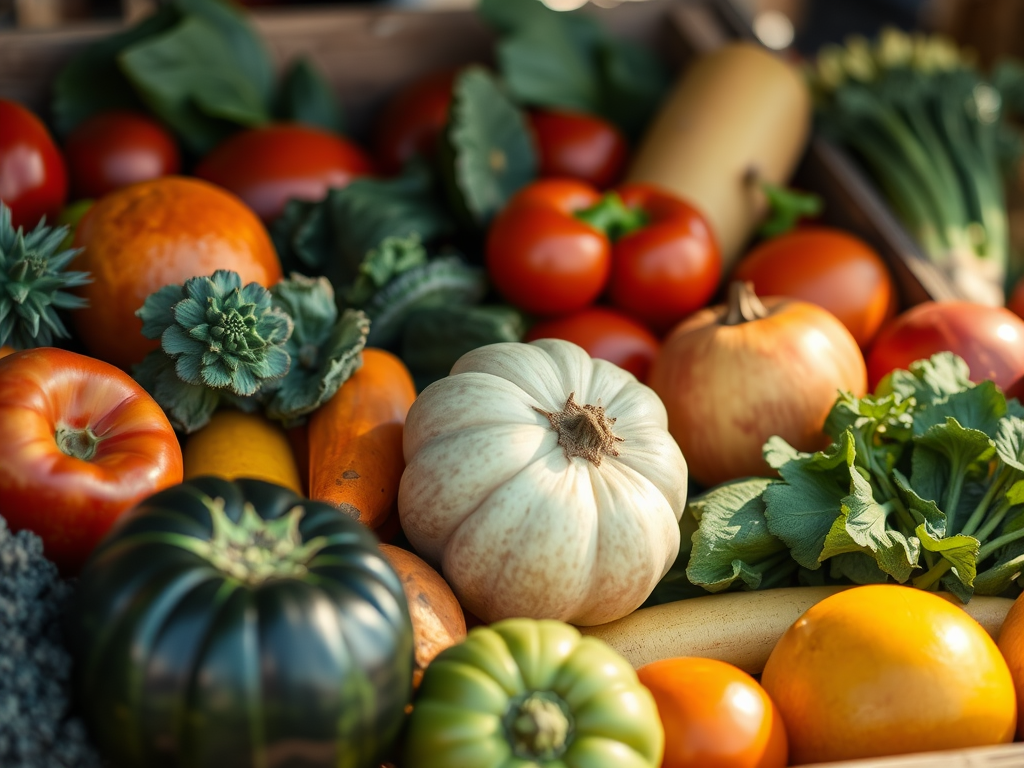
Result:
[[540, 424]]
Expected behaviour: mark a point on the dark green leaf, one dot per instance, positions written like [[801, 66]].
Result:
[[188, 407], [157, 312], [544, 69], [950, 583], [444, 281], [392, 257], [509, 16], [492, 150], [924, 511], [92, 81], [801, 510], [304, 96], [881, 426], [1008, 566], [928, 381], [732, 537], [334, 236], [1010, 442], [633, 85], [979, 408], [960, 446], [434, 338], [240, 39], [190, 80], [325, 349], [858, 567]]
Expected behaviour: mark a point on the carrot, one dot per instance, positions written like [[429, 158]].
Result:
[[738, 627], [355, 440]]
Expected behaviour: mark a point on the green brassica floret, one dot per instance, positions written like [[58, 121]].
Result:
[[37, 727]]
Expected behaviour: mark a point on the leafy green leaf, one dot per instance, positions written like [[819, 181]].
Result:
[[924, 511], [325, 349], [443, 281], [732, 538], [1009, 442], [881, 426], [434, 338], [543, 68], [633, 85], [856, 567], [191, 81], [188, 407], [392, 257], [304, 96], [92, 81], [979, 408], [928, 381], [959, 550], [334, 236], [861, 526], [492, 149], [802, 510]]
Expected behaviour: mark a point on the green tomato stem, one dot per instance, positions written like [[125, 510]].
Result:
[[77, 443], [613, 217]]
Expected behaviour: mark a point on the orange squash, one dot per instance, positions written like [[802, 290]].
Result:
[[355, 440]]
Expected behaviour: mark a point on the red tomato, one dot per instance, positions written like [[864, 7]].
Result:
[[667, 269], [715, 715], [412, 121], [268, 166], [83, 442], [114, 149], [579, 146], [540, 258], [606, 334], [827, 267], [1015, 302], [33, 178], [989, 339]]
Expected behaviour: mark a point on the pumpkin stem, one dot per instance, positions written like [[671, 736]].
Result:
[[539, 726], [77, 443], [254, 550], [743, 306], [583, 430]]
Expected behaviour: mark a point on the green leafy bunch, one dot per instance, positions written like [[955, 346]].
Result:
[[33, 283], [200, 68], [922, 484], [286, 350], [932, 131]]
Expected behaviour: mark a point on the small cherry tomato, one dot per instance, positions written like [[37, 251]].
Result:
[[540, 257], [989, 339], [412, 121], [605, 334], [33, 177], [268, 166], [827, 267], [579, 146], [715, 715], [668, 268], [114, 149]]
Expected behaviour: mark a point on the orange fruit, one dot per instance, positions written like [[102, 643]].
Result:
[[1011, 645], [142, 237], [714, 715], [886, 670]]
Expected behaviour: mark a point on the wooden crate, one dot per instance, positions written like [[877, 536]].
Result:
[[369, 53]]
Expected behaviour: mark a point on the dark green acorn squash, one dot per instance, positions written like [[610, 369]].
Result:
[[237, 625]]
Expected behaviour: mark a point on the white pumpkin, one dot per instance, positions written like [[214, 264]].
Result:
[[544, 483]]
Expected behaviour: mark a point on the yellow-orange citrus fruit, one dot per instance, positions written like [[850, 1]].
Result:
[[886, 670], [142, 237], [1011, 645]]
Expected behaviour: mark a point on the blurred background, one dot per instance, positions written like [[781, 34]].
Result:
[[993, 27]]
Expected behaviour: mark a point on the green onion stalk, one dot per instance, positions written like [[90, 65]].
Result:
[[933, 132]]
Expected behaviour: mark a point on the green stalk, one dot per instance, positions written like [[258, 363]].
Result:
[[996, 544], [996, 487], [995, 520], [930, 578], [953, 491]]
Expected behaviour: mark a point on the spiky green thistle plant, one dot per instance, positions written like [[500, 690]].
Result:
[[34, 283]]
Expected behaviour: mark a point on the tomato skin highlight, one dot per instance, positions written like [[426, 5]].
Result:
[[989, 339], [830, 268], [668, 269], [114, 149], [579, 146], [542, 259], [411, 123], [72, 502], [715, 715], [268, 166], [606, 334], [33, 175]]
